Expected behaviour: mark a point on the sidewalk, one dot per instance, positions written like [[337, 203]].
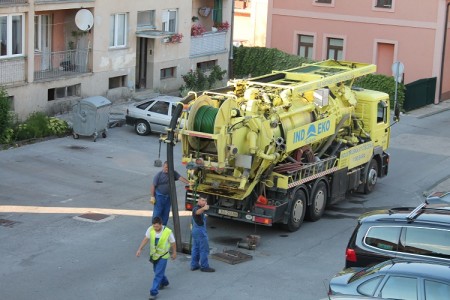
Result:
[[424, 112], [429, 110]]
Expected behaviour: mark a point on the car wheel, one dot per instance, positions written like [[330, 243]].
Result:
[[297, 211], [371, 177], [142, 127], [319, 202]]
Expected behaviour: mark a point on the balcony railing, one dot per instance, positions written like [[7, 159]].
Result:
[[208, 43], [7, 2], [49, 1], [12, 70], [64, 63]]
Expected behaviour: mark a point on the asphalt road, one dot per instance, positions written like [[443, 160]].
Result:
[[48, 252]]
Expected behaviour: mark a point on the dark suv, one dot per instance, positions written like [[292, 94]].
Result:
[[408, 233]]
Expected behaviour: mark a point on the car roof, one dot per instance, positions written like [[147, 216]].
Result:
[[438, 213], [439, 197], [436, 271], [167, 98]]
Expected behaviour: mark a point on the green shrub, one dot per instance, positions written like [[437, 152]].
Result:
[[5, 116], [38, 125], [385, 84], [58, 127], [257, 61], [199, 81]]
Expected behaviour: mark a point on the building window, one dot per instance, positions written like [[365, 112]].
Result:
[[11, 102], [305, 46], [383, 3], [168, 73], [11, 35], [169, 20], [41, 32], [119, 81], [206, 65], [118, 30], [324, 1], [64, 92], [146, 19], [335, 48]]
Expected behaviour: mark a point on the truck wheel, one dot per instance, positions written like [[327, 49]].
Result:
[[319, 202], [142, 127], [297, 213], [371, 177]]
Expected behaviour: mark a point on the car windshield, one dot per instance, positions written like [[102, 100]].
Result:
[[368, 271]]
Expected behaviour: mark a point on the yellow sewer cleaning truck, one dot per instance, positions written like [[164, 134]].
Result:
[[281, 147]]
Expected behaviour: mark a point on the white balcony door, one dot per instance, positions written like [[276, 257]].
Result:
[[42, 39]]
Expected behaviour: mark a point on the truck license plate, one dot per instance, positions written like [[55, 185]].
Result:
[[229, 213]]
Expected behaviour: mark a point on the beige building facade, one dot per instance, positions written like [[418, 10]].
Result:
[[54, 53]]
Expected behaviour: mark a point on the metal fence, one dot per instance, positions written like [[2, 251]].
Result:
[[13, 2], [55, 64], [419, 93]]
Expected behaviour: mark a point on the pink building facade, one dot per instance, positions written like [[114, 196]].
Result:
[[414, 32]]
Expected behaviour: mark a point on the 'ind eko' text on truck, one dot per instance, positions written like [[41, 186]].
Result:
[[281, 147]]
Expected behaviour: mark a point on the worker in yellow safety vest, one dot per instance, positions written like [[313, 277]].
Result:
[[161, 239]]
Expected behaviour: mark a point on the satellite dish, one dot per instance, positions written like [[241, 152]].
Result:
[[84, 20]]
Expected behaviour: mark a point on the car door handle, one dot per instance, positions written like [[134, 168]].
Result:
[[149, 115]]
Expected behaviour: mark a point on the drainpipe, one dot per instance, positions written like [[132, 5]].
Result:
[[230, 61], [443, 54]]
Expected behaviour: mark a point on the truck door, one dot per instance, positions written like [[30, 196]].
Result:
[[381, 129]]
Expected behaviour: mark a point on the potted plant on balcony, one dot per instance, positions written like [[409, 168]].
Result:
[[197, 29], [222, 26], [175, 38]]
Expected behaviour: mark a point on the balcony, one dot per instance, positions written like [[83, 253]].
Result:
[[208, 44], [61, 64], [13, 2], [12, 70]]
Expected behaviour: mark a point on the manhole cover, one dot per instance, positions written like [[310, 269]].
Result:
[[75, 147], [232, 256], [94, 217], [7, 223]]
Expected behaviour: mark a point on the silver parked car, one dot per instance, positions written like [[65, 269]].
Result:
[[151, 115]]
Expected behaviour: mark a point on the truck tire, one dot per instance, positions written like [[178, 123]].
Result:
[[142, 127], [371, 177], [297, 211], [318, 202]]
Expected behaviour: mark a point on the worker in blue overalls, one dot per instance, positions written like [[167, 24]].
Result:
[[160, 192], [200, 247]]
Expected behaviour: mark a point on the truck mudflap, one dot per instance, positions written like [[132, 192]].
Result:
[[260, 214], [385, 164]]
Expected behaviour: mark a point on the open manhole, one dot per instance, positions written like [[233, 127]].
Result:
[[94, 217], [232, 256]]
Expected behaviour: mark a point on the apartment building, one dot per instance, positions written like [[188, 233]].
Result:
[[413, 32], [55, 52], [250, 15]]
